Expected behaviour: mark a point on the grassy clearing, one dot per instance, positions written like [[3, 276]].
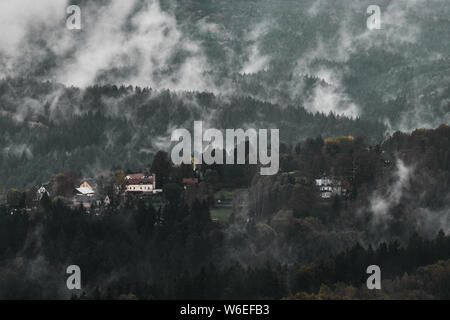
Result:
[[223, 205]]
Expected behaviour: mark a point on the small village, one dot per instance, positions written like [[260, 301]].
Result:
[[201, 183], [89, 195], [93, 195]]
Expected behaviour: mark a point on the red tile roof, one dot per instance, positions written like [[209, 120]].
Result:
[[140, 181], [138, 178], [135, 176]]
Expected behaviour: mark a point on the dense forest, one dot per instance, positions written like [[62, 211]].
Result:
[[295, 246], [55, 129], [363, 117]]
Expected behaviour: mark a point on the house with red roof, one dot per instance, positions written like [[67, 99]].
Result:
[[140, 183]]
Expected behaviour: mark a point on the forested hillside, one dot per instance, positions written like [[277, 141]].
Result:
[[283, 239], [47, 128], [86, 177]]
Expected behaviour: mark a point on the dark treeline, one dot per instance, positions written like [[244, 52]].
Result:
[[133, 252], [149, 243]]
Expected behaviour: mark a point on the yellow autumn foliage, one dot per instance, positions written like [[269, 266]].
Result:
[[339, 140]]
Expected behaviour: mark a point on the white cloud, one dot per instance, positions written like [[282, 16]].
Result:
[[381, 204], [127, 42], [18, 17], [326, 99], [256, 61]]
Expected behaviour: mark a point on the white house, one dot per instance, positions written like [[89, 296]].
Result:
[[85, 189], [41, 191], [141, 183], [329, 187], [139, 188]]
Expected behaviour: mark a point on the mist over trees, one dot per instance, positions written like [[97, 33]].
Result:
[[288, 242], [367, 112], [55, 129]]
